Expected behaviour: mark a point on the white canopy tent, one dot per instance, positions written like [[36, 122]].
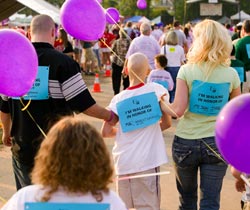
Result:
[[10, 7], [214, 1], [144, 20], [156, 20], [19, 20], [43, 7], [240, 16]]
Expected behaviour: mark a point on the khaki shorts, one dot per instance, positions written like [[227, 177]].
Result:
[[141, 193], [246, 85], [89, 55], [246, 206]]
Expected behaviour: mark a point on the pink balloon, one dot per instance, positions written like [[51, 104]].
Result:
[[141, 4], [112, 15], [232, 132], [18, 63], [83, 19]]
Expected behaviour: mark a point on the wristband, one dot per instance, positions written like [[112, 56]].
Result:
[[112, 114]]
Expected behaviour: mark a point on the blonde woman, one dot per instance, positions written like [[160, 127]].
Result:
[[72, 166], [175, 55], [204, 85]]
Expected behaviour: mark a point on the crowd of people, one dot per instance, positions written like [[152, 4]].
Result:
[[171, 72]]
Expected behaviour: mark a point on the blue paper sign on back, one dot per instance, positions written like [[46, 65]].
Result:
[[240, 71], [66, 206], [139, 111], [208, 98]]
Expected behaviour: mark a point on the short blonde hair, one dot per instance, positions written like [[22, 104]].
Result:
[[73, 156], [171, 38], [212, 45]]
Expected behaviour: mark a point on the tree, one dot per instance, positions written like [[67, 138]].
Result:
[[57, 3], [181, 11]]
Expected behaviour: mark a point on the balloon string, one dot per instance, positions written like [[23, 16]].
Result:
[[26, 106], [142, 175], [26, 109], [164, 103], [111, 50], [114, 21], [216, 154], [245, 180], [117, 179], [2, 199]]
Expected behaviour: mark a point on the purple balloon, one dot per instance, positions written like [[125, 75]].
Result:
[[232, 132], [18, 63], [83, 19], [112, 15], [141, 4]]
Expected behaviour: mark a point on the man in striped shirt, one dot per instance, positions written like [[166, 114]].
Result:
[[65, 94]]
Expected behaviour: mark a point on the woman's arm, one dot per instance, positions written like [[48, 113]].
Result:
[[6, 123], [239, 183], [165, 122], [179, 106], [235, 92]]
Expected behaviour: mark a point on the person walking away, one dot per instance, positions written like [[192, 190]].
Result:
[[176, 57], [119, 48], [144, 44], [239, 66], [68, 169], [105, 43], [160, 75], [139, 145], [68, 49], [204, 86], [242, 52], [63, 92]]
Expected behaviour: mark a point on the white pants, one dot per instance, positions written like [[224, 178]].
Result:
[[141, 193]]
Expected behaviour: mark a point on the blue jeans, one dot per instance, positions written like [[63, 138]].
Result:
[[21, 173], [97, 53], [190, 156], [173, 71]]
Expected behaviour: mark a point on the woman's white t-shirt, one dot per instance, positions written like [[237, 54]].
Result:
[[174, 54]]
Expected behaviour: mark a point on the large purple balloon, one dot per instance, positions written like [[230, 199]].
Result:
[[112, 15], [83, 19], [18, 63], [232, 132], [141, 4]]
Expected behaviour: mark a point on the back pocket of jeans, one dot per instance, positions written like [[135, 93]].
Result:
[[181, 153]]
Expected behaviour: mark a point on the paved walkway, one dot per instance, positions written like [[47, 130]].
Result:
[[230, 199]]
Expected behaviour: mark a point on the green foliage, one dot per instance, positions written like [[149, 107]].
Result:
[[179, 10], [56, 2], [182, 11], [128, 8]]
